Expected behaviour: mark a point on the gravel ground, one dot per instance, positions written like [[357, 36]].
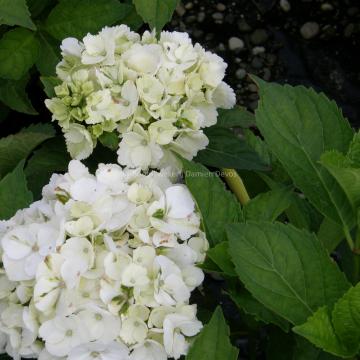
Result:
[[309, 42]]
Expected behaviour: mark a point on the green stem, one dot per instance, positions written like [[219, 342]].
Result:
[[349, 239], [236, 185]]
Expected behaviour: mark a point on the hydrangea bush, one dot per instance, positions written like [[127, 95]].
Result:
[[104, 265], [157, 94]]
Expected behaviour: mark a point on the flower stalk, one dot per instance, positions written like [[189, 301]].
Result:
[[236, 185]]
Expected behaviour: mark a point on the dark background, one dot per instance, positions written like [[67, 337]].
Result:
[[328, 61]]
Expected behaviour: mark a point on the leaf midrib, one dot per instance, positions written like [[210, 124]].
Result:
[[26, 40], [271, 265]]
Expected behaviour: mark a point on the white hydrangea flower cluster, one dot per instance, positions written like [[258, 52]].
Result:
[[102, 267], [157, 95]]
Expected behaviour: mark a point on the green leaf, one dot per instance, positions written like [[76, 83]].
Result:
[[46, 129], [14, 148], [15, 12], [318, 330], [213, 342], [299, 125], [14, 194], [236, 117], [19, 49], [245, 301], [259, 146], [330, 234], [49, 83], [346, 174], [353, 153], [338, 330], [346, 318], [302, 214], [155, 12], [110, 140], [209, 266], [268, 206], [286, 269], [36, 7], [133, 19], [221, 257], [226, 150], [218, 206], [78, 18], [49, 55], [51, 158], [13, 94]]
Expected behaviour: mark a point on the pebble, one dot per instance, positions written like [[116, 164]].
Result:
[[189, 6], [190, 19], [258, 50], [217, 16], [209, 37], [236, 44], [252, 88], [271, 59], [267, 74], [285, 5], [326, 7], [309, 30], [259, 36], [329, 31], [220, 7], [221, 47], [253, 105], [201, 17], [244, 26], [348, 31], [240, 74], [180, 10], [198, 34]]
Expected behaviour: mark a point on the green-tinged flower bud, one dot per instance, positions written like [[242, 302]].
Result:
[[115, 90], [76, 100], [62, 90], [97, 130], [80, 76], [67, 100], [58, 108], [109, 125], [87, 88], [77, 114]]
